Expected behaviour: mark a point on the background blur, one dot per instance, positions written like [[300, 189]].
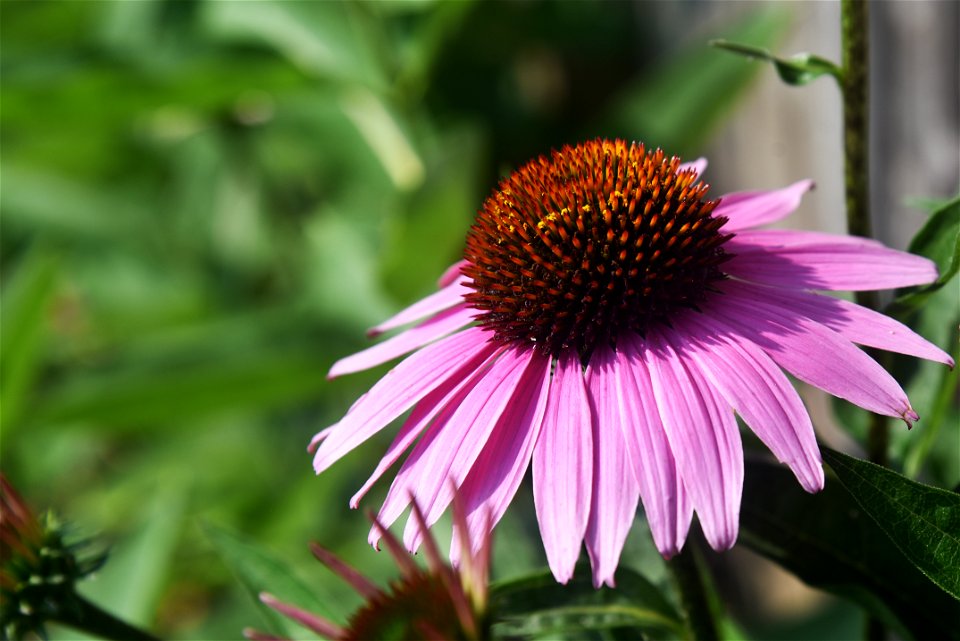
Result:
[[206, 203]]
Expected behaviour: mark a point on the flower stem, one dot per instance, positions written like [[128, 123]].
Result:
[[689, 577], [854, 34], [854, 30], [91, 618]]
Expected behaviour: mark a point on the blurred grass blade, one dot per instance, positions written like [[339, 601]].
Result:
[[922, 521], [799, 69], [259, 570], [537, 607], [331, 40], [133, 580], [382, 133], [176, 395], [23, 317]]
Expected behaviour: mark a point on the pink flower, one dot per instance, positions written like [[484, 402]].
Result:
[[606, 325]]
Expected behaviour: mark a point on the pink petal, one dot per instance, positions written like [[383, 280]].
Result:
[[470, 432], [804, 260], [450, 447], [495, 476], [438, 301], [615, 489], [699, 165], [448, 395], [651, 459], [563, 467], [752, 208], [401, 388], [858, 324], [703, 435], [443, 323], [451, 274], [810, 351], [756, 388]]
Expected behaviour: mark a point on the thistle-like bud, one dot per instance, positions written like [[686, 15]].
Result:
[[38, 568]]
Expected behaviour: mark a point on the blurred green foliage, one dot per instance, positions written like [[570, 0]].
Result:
[[205, 203]]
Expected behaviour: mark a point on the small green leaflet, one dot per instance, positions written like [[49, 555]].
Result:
[[797, 70]]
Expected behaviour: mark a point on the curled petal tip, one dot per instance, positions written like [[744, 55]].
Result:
[[910, 417]]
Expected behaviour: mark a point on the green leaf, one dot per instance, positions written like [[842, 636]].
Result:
[[259, 570], [799, 69], [938, 240], [26, 300], [922, 521], [537, 607], [829, 542]]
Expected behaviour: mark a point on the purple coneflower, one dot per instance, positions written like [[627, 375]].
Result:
[[434, 603], [607, 323]]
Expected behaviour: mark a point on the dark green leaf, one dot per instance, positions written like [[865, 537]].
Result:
[[922, 521], [259, 570], [938, 240], [797, 70], [829, 542], [537, 607]]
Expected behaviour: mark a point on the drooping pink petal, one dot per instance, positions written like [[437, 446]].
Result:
[[810, 351], [747, 209], [699, 165], [395, 393], [447, 395], [652, 461], [451, 273], [436, 302], [805, 260], [495, 476], [453, 454], [756, 388], [858, 324], [563, 467], [615, 488], [703, 436], [449, 320]]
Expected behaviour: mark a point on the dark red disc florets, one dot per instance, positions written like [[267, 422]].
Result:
[[597, 239]]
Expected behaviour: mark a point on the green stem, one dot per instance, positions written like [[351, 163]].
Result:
[[854, 30], [854, 33], [90, 618], [689, 578]]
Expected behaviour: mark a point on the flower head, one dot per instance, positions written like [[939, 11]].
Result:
[[38, 570], [606, 325], [439, 602]]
